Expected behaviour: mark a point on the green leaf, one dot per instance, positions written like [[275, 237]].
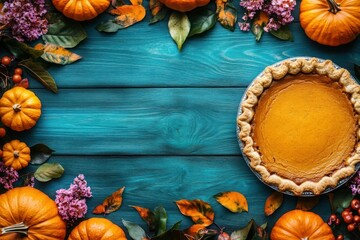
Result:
[[161, 219], [40, 74], [179, 27], [258, 24], [357, 71], [341, 199], [135, 231], [251, 231], [201, 21], [174, 234], [109, 26], [48, 171], [40, 153], [283, 33], [67, 34], [21, 50]]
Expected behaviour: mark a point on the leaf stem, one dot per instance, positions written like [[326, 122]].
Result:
[[334, 7], [16, 228]]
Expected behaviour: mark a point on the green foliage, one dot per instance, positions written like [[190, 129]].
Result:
[[40, 153], [283, 33], [48, 171], [201, 20], [179, 28]]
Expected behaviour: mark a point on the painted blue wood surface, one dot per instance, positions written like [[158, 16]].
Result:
[[138, 113]]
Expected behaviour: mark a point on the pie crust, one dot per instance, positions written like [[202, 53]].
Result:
[[295, 182]]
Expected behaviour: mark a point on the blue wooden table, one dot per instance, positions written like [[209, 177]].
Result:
[[138, 113]]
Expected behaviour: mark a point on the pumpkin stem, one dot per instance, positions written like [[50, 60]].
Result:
[[16, 228], [16, 154], [334, 7], [17, 107]]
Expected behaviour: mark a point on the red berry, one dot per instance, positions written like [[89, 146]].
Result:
[[333, 217], [349, 218], [16, 78], [337, 222], [357, 219], [351, 227], [355, 204], [2, 132], [5, 60], [18, 71], [340, 237], [345, 212]]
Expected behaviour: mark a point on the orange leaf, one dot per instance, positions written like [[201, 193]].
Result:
[[234, 201], [273, 202], [136, 2], [196, 231], [147, 215], [200, 212], [307, 203], [261, 19], [57, 54], [155, 7], [111, 203], [128, 14]]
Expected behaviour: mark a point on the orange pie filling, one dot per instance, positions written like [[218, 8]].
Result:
[[304, 127], [298, 125]]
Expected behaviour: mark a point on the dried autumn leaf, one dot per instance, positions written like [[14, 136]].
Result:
[[273, 202], [307, 203], [56, 54], [147, 215], [128, 15], [111, 203], [234, 201], [200, 212], [136, 2], [158, 11], [227, 14], [258, 23]]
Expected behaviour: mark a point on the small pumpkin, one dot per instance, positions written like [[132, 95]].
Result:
[[81, 10], [27, 213], [330, 22], [97, 228], [16, 154], [184, 5], [20, 108], [299, 224]]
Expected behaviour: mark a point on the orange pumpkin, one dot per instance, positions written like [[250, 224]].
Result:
[[16, 154], [81, 10], [299, 224], [184, 5], [20, 108], [28, 210], [330, 22], [97, 228]]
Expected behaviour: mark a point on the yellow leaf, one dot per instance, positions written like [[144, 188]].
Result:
[[200, 212], [136, 2], [111, 203], [307, 203], [234, 201], [128, 14], [273, 202], [57, 54]]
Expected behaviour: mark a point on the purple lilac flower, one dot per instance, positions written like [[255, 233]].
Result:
[[25, 18], [71, 202], [354, 184], [279, 12], [8, 176]]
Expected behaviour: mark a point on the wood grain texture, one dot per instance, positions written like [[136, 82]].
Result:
[[160, 181], [138, 121]]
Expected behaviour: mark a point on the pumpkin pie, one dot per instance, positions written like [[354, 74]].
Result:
[[298, 125]]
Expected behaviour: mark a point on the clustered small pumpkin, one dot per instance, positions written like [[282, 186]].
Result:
[[81, 10], [16, 154], [97, 228], [329, 22], [20, 109]]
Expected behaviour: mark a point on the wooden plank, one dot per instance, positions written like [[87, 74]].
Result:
[[145, 56], [159, 181], [138, 121]]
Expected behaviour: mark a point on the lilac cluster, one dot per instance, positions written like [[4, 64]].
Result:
[[278, 11], [8, 176], [71, 202], [354, 184], [25, 18]]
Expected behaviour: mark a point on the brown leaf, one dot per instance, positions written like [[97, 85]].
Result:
[[273, 202], [111, 203], [307, 203], [234, 201], [155, 7], [128, 14], [200, 212], [147, 215]]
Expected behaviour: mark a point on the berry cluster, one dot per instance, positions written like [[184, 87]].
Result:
[[350, 216], [10, 73]]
